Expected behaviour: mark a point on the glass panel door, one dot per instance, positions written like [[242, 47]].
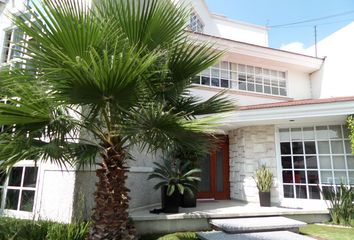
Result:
[[205, 166]]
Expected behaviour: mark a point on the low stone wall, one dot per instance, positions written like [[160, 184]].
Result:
[[249, 148]]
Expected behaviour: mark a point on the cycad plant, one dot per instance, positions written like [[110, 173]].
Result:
[[103, 79], [175, 176]]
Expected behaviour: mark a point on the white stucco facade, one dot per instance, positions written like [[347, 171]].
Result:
[[335, 78]]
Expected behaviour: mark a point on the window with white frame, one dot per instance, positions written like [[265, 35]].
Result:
[[245, 78], [12, 45], [315, 158], [195, 23], [18, 189]]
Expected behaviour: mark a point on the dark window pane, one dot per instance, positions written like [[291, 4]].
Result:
[[224, 83], [196, 80], [312, 177], [288, 191], [286, 162], [205, 183], [297, 148], [300, 177], [287, 176], [15, 176], [275, 90], [205, 81], [283, 91], [311, 162], [301, 192], [30, 178], [27, 201], [2, 179], [259, 88], [267, 89], [314, 192], [215, 82], [285, 148], [242, 85], [219, 171], [12, 199], [250, 87], [299, 162], [310, 148]]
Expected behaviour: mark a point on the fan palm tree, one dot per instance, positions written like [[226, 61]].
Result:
[[100, 80]]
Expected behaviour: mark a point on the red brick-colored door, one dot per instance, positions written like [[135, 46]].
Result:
[[215, 182]]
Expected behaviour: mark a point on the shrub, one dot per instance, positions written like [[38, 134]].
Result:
[[180, 236], [341, 206], [350, 125], [264, 179], [74, 231], [18, 229]]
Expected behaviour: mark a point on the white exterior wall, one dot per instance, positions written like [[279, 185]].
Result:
[[141, 192], [223, 27], [55, 194], [336, 77], [298, 84], [239, 31]]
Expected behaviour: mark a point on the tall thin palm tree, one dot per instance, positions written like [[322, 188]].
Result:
[[100, 80]]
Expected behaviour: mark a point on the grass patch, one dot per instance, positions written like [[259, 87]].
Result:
[[172, 236], [327, 232]]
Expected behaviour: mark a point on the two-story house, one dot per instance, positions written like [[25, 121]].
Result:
[[291, 117]]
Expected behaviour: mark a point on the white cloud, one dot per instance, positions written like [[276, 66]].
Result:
[[297, 47]]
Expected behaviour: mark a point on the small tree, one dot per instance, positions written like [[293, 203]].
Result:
[[104, 79]]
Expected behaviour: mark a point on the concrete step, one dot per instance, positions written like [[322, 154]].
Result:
[[256, 224], [277, 235]]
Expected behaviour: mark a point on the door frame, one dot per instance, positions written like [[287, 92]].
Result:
[[223, 144]]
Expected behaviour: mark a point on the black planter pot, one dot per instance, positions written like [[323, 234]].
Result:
[[264, 199], [170, 204], [189, 199]]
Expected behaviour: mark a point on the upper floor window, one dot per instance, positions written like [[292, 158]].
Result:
[[17, 191], [195, 23], [244, 77], [12, 46]]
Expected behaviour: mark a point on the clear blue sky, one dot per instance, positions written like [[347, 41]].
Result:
[[276, 12]]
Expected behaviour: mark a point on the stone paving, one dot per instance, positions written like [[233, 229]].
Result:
[[256, 224], [277, 235]]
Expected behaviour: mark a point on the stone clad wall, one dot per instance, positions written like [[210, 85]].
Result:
[[249, 148]]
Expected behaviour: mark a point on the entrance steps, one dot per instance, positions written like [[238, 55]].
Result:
[[272, 228], [277, 235]]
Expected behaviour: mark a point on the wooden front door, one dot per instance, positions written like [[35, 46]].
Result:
[[215, 173]]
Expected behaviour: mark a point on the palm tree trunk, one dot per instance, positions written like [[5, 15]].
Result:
[[110, 218]]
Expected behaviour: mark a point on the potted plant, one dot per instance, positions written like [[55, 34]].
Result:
[[264, 181], [175, 179]]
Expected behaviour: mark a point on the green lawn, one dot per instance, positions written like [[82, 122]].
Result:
[[328, 233]]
